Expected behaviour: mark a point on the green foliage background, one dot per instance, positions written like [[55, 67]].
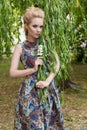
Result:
[[59, 30]]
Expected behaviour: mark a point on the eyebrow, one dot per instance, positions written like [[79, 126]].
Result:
[[37, 25]]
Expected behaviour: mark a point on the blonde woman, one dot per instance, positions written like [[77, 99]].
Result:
[[29, 114]]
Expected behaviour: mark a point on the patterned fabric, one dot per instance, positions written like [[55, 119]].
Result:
[[29, 113]]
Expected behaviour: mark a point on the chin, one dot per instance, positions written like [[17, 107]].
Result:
[[37, 37]]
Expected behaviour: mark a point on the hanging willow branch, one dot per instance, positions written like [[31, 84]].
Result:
[[58, 31]]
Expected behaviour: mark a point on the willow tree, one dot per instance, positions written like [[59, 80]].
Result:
[[57, 30], [5, 22], [9, 17], [79, 29]]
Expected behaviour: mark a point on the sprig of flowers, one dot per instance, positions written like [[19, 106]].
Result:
[[40, 50], [41, 76]]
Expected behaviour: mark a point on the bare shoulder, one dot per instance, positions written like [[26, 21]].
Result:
[[18, 48]]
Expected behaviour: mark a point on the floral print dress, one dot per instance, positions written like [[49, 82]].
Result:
[[29, 113]]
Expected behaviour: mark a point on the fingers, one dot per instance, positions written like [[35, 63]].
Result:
[[39, 61], [40, 85]]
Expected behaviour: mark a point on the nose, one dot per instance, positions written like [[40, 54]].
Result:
[[38, 29]]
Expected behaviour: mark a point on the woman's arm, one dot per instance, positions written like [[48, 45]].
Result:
[[14, 72], [57, 67], [42, 84]]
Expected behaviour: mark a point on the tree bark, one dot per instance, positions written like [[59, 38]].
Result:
[[68, 83]]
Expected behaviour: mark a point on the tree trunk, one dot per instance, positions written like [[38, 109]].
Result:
[[68, 83]]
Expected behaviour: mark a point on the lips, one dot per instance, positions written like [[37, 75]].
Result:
[[37, 34]]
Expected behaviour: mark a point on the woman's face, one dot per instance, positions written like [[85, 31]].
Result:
[[35, 28]]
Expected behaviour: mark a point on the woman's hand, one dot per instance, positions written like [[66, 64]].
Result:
[[38, 62], [42, 84]]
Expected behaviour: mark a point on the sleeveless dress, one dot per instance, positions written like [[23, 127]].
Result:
[[29, 113]]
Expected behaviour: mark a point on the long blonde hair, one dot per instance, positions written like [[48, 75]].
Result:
[[31, 13]]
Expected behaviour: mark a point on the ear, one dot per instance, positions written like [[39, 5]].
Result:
[[26, 26]]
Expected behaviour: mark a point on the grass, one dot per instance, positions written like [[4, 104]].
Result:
[[74, 106], [75, 102]]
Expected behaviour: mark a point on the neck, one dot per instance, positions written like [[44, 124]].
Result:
[[31, 39]]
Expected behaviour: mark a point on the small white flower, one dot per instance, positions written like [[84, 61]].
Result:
[[40, 50], [68, 17], [83, 45], [76, 30]]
